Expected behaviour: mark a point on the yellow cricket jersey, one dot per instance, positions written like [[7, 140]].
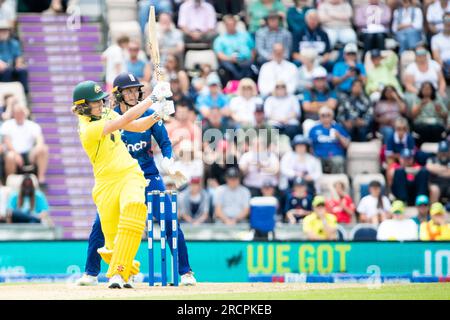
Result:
[[312, 223], [108, 154], [429, 231]]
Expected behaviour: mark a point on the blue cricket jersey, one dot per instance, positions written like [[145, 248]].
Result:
[[139, 144]]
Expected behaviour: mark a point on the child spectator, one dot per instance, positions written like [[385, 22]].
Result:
[[389, 108], [429, 114], [407, 25], [336, 19], [400, 139], [232, 201], [282, 110], [272, 33], [342, 206], [423, 210], [29, 205], [329, 141], [437, 229], [399, 228], [319, 224], [374, 207], [278, 69], [298, 202], [355, 114], [194, 203]]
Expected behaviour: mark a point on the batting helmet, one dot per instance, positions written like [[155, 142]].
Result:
[[84, 92], [123, 81]]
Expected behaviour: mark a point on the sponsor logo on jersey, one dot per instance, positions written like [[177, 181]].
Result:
[[137, 146]]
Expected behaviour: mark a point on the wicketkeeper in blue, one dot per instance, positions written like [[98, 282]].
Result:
[[127, 92]]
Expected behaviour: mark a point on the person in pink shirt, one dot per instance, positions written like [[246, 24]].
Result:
[[197, 20]]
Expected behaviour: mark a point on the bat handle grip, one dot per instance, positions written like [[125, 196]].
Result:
[[158, 72]]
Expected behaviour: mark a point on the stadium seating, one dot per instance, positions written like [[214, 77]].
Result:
[[121, 10], [194, 57], [14, 88], [363, 232], [364, 179], [14, 180], [363, 157], [326, 182], [341, 233], [430, 147], [128, 28]]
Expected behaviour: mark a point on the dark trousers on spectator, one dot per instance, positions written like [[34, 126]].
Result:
[[11, 74], [290, 130], [224, 7], [238, 70], [373, 41], [360, 134], [335, 164], [19, 216], [407, 190], [206, 38], [429, 133]]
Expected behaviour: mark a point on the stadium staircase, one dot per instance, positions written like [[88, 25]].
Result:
[[59, 55]]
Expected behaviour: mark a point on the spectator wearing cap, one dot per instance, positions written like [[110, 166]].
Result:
[[329, 141], [306, 70], [398, 140], [372, 20], [258, 165], [272, 33], [347, 71], [313, 36], [197, 20], [341, 205], [194, 203], [170, 38], [423, 210], [243, 105], [439, 168], [410, 178], [374, 207], [440, 46], [25, 144], [278, 69], [12, 64], [387, 110], [232, 200], [299, 163], [298, 201], [235, 50], [295, 16], [319, 96], [259, 10], [398, 228], [282, 110], [319, 224], [336, 19], [421, 70], [407, 25], [435, 15], [214, 98], [382, 74], [429, 114], [437, 229], [355, 113]]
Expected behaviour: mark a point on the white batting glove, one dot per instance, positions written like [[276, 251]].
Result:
[[167, 166], [162, 91], [164, 108]]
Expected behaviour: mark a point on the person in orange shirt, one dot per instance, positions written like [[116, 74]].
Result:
[[437, 229]]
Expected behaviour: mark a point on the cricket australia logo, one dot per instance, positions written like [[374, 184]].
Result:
[[97, 89]]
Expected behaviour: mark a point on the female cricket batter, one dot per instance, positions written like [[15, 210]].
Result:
[[128, 93], [119, 182]]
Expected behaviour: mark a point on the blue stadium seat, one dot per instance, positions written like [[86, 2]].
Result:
[[364, 232]]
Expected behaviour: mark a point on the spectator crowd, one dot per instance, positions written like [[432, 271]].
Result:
[[320, 76]]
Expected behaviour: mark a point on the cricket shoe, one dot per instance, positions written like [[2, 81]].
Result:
[[87, 280], [130, 283], [188, 279], [116, 282]]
